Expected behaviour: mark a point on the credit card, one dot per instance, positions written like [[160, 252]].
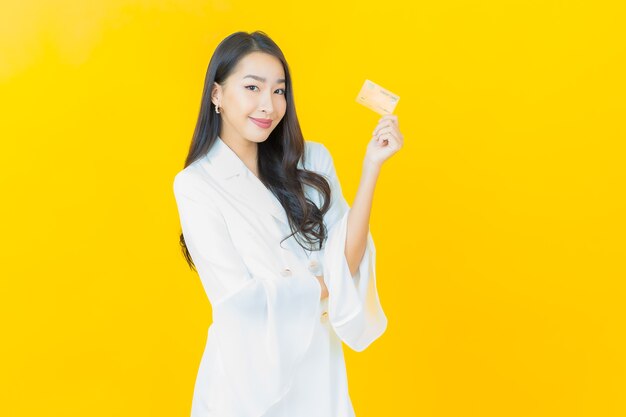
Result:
[[376, 98]]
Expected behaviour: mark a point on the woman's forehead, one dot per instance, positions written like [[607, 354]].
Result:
[[261, 66]]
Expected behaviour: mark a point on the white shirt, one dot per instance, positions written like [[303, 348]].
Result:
[[274, 348]]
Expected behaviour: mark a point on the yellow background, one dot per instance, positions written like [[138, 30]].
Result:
[[499, 226]]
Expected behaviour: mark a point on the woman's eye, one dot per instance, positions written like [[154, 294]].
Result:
[[254, 86]]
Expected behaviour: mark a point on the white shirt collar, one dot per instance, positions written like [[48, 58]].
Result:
[[226, 162]]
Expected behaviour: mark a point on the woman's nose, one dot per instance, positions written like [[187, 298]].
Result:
[[267, 105]]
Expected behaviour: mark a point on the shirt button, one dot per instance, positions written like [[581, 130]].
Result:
[[314, 267], [286, 272], [324, 317]]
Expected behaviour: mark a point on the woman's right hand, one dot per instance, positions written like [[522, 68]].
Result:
[[320, 278]]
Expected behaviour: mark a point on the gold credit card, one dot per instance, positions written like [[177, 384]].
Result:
[[376, 98]]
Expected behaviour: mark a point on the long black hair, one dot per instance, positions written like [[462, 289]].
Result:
[[278, 155]]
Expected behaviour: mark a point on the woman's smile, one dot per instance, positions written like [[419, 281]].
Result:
[[262, 123]]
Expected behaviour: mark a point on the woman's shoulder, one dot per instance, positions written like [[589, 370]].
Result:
[[317, 156], [314, 148], [191, 178]]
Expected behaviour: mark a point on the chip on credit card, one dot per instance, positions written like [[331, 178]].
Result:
[[376, 98]]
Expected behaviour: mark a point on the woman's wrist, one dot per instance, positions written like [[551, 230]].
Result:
[[371, 168]]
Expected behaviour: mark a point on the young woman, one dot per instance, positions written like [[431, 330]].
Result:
[[287, 265]]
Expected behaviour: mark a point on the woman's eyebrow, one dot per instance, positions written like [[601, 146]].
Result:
[[256, 77]]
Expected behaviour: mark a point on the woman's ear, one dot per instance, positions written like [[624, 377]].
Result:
[[216, 94]]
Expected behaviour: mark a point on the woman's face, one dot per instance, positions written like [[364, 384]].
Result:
[[254, 90]]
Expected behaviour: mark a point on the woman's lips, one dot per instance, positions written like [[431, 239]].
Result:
[[263, 123]]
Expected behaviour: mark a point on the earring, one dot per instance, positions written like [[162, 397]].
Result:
[[216, 110]]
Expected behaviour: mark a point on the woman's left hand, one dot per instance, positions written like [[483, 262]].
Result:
[[386, 141]]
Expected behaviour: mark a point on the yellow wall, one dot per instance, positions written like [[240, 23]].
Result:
[[499, 226]]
